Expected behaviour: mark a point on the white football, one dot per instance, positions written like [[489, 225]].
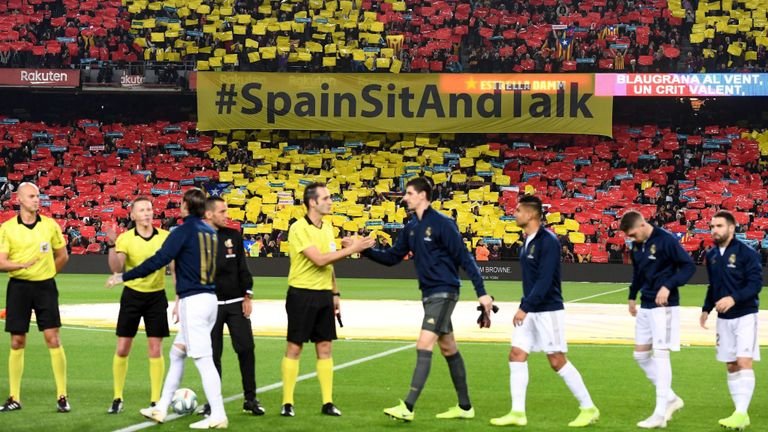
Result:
[[184, 401]]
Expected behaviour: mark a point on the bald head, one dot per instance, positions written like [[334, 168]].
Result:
[[28, 196]]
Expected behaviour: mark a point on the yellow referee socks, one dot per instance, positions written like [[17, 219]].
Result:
[[15, 371], [59, 364], [325, 376], [290, 372], [156, 374], [119, 372]]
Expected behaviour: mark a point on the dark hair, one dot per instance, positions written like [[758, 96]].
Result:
[[533, 202], [725, 214], [421, 184], [195, 200], [210, 202], [629, 220], [310, 192]]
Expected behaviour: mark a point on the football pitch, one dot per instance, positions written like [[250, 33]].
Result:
[[373, 374]]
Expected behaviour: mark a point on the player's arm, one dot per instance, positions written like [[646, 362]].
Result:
[[116, 260], [754, 282], [244, 275], [60, 258], [637, 280], [391, 255], [59, 246], [550, 258], [8, 265], [167, 253], [685, 266], [460, 255], [298, 236], [709, 298]]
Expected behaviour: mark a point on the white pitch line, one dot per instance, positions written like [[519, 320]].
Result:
[[277, 385], [596, 295]]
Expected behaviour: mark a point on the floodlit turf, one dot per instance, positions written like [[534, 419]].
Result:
[[75, 289], [362, 391]]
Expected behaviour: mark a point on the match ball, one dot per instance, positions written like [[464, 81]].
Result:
[[184, 401]]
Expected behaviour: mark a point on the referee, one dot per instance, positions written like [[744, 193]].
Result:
[[233, 289], [142, 298], [313, 298], [33, 251]]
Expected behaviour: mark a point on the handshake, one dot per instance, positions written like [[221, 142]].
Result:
[[357, 244]]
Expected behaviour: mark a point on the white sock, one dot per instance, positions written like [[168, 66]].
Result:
[[212, 387], [173, 378], [518, 384], [663, 381], [644, 359], [742, 385], [575, 383]]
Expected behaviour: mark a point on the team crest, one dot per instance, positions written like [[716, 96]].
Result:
[[228, 243], [45, 247], [652, 251], [428, 234], [732, 261], [531, 251]]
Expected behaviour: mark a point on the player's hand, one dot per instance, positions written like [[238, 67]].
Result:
[[724, 304], [175, 313], [703, 320], [115, 279], [633, 307], [662, 297], [336, 305], [346, 242], [486, 302], [247, 307], [30, 263], [111, 233], [517, 321]]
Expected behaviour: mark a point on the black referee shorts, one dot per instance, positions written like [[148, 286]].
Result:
[[310, 315], [438, 309], [22, 297], [135, 305]]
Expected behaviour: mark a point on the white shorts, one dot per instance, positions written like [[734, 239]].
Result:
[[197, 315], [541, 331], [659, 327], [737, 338]]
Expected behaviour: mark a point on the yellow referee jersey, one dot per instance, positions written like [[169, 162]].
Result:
[[304, 273], [137, 249], [25, 243]]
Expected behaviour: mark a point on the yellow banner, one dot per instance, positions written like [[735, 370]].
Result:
[[488, 103]]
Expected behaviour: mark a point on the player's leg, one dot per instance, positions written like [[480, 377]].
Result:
[[436, 310], [301, 318], [665, 337], [156, 324], [18, 303], [738, 348], [128, 319], [550, 328], [46, 305], [201, 312], [323, 335], [523, 342], [450, 350], [241, 332]]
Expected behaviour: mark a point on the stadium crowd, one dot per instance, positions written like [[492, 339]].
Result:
[[90, 171], [375, 35]]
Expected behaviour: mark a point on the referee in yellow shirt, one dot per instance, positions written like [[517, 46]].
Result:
[[33, 251], [142, 298], [313, 298]]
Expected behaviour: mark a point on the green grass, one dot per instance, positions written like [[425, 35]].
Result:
[[76, 289], [361, 391]]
